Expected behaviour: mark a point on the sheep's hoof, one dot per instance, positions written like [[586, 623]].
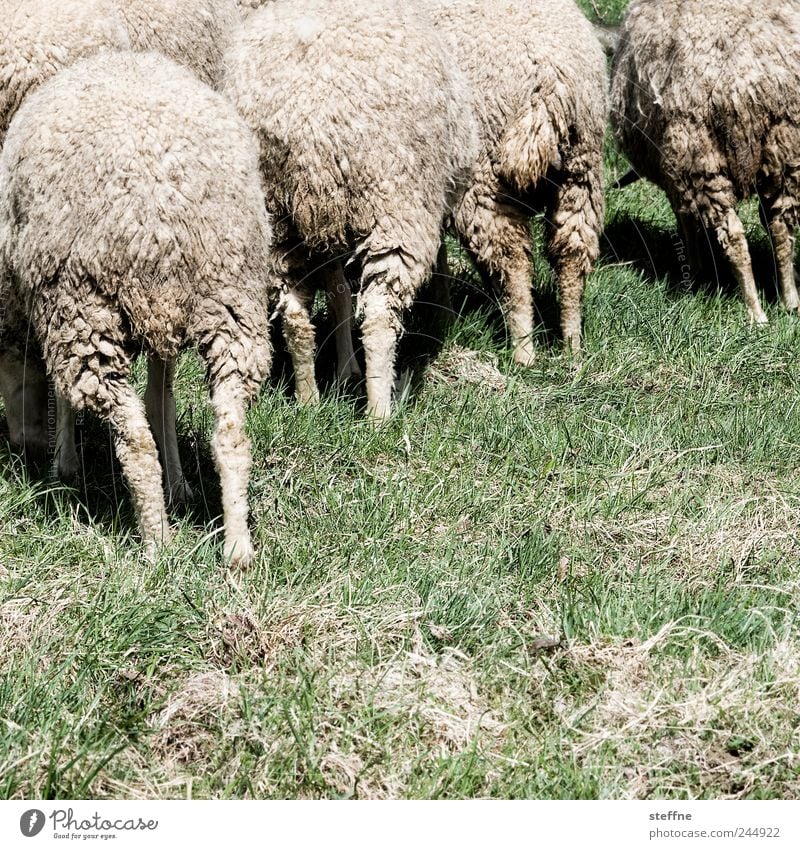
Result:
[[524, 355], [307, 396], [574, 355], [66, 471], [379, 412], [152, 547], [179, 496], [239, 553], [792, 304], [758, 319]]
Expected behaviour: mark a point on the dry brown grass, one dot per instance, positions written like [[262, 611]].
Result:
[[676, 726], [743, 521], [435, 707], [184, 730], [460, 365]]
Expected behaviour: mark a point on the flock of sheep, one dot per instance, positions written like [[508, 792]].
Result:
[[173, 171]]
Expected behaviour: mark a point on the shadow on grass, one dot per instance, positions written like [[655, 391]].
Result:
[[101, 491], [659, 252], [426, 329]]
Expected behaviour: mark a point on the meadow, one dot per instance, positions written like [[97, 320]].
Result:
[[574, 581]]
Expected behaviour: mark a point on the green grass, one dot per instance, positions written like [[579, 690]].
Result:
[[604, 11], [575, 581]]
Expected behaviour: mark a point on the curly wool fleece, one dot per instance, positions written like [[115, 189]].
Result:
[[194, 33], [39, 37], [132, 218], [706, 103]]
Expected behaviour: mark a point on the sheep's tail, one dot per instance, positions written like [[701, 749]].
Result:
[[529, 148]]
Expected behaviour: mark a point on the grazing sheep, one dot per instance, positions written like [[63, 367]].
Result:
[[39, 38], [366, 136], [706, 103], [195, 34], [132, 219], [539, 79]]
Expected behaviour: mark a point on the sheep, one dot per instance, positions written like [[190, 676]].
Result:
[[40, 38], [37, 39], [195, 34], [132, 218], [539, 78], [367, 136], [706, 103]]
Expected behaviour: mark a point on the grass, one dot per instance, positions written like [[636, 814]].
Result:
[[576, 581]]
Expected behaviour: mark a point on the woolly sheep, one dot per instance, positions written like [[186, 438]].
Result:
[[195, 34], [366, 135], [39, 38], [132, 218], [539, 78], [706, 103]]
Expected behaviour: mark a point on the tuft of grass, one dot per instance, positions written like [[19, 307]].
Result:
[[607, 12]]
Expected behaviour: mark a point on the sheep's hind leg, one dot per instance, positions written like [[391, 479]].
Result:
[[115, 401], [298, 329], [734, 244], [498, 238], [233, 460], [779, 196], [717, 203], [380, 332], [574, 222], [340, 299], [390, 280], [783, 245], [159, 402], [138, 456], [66, 466]]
